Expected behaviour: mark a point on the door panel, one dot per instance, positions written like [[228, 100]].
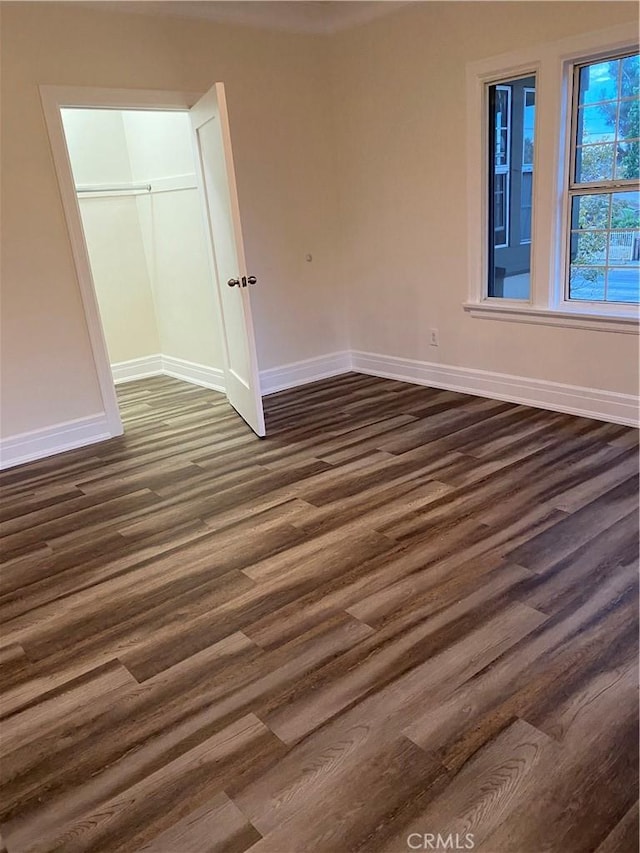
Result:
[[214, 155]]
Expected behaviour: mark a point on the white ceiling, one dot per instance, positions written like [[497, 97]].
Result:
[[310, 16]]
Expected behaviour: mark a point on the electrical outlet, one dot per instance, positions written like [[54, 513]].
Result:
[[433, 338]]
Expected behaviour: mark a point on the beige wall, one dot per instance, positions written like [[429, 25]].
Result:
[[399, 91], [350, 147], [279, 104]]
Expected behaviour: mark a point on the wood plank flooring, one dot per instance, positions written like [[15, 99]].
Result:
[[406, 613]]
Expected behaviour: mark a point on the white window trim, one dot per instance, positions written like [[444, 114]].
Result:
[[552, 64]]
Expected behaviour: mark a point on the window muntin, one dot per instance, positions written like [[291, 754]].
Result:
[[511, 148], [604, 204]]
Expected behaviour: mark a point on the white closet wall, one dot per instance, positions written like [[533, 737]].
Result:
[[99, 156], [147, 250], [161, 154]]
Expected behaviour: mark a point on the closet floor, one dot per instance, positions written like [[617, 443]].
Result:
[[405, 620]]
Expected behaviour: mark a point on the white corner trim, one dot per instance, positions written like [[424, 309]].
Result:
[[68, 435], [557, 396], [137, 368], [301, 372], [196, 374], [492, 310], [167, 365]]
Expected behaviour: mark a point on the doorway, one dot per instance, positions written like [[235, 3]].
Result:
[[148, 187], [134, 175]]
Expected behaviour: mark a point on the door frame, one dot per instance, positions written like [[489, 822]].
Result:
[[54, 99]]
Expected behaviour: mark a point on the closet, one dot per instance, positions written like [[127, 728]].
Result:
[[141, 212]]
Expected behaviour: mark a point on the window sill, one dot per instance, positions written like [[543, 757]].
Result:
[[511, 312]]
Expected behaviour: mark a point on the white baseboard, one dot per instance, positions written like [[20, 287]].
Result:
[[302, 372], [137, 368], [275, 379], [557, 396], [39, 443], [166, 365], [196, 374], [572, 399]]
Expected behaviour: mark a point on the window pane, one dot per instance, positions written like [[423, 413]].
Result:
[[597, 124], [594, 163], [623, 284], [511, 140], [590, 211], [628, 120], [590, 248], [627, 160], [605, 247], [620, 249], [587, 283], [625, 210], [630, 76], [599, 82]]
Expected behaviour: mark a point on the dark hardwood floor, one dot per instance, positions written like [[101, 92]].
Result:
[[405, 613]]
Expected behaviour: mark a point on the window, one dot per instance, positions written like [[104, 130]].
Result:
[[604, 232], [552, 181], [511, 134]]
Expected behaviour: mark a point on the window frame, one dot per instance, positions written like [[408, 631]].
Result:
[[553, 66]]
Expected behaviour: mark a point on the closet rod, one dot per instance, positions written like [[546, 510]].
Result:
[[120, 189]]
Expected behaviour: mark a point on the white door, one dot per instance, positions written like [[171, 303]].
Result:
[[210, 124]]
